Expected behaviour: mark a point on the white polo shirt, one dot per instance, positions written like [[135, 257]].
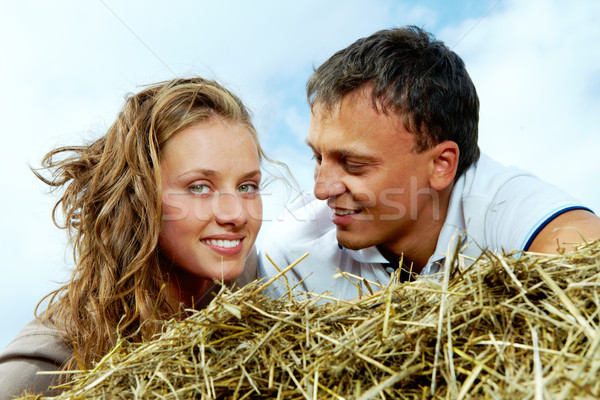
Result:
[[499, 208]]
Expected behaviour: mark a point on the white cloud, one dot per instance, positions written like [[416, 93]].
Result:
[[533, 66], [297, 123]]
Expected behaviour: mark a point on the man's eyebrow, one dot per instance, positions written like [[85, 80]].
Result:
[[356, 156], [309, 144], [340, 153]]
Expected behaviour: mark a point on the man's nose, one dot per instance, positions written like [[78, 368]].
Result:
[[328, 181]]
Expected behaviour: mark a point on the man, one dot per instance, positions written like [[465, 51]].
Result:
[[398, 173]]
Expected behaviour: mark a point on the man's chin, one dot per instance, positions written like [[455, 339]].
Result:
[[352, 243]]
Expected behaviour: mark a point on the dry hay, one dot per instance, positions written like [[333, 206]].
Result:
[[502, 328]]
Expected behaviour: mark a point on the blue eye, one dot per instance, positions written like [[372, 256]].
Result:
[[200, 189], [247, 188]]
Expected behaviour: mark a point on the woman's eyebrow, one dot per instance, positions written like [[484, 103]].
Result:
[[207, 172], [212, 173], [252, 174]]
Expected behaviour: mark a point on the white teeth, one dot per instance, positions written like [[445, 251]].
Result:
[[223, 243], [343, 212]]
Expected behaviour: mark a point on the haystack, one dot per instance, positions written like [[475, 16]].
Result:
[[504, 327]]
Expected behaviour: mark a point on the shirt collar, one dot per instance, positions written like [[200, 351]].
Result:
[[367, 255]]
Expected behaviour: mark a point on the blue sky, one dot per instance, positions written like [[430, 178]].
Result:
[[66, 67]]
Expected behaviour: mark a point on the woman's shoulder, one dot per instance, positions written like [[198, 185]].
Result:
[[40, 339], [39, 346]]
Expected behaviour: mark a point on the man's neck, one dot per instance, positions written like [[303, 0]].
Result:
[[416, 247]]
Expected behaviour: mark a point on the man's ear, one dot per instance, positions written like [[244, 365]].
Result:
[[445, 162]]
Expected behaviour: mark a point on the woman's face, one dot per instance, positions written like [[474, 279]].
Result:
[[212, 210]]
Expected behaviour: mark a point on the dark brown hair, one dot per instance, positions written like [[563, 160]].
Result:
[[413, 75]]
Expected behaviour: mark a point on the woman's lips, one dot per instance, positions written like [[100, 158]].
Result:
[[224, 246]]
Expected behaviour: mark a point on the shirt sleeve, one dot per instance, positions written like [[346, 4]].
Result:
[[521, 208]]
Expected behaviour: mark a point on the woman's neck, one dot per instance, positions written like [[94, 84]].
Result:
[[186, 290], [188, 294]]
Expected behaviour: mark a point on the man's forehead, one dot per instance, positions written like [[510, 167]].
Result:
[[359, 99], [321, 111], [355, 125], [352, 113]]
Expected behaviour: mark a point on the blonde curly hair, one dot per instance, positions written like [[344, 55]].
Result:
[[111, 207]]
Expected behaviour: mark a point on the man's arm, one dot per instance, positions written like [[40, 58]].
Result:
[[575, 226]]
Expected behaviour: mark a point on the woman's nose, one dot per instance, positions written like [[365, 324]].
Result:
[[228, 209]]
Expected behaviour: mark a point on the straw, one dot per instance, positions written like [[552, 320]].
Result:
[[512, 326]]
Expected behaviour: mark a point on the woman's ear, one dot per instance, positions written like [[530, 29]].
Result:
[[445, 162]]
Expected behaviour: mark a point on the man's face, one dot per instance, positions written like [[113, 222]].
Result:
[[366, 169]]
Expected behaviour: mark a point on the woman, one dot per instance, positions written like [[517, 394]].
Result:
[[158, 209]]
